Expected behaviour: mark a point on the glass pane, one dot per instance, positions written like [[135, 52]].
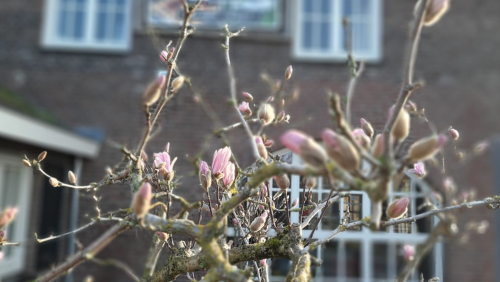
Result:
[[353, 259], [79, 24], [361, 36], [308, 6], [307, 35], [62, 21], [379, 260], [424, 225], [330, 258], [119, 26], [325, 35], [331, 219], [325, 7], [101, 25], [280, 267]]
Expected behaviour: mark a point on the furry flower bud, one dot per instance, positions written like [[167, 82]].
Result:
[[288, 72], [268, 143], [427, 147], [263, 262], [266, 113], [205, 176], [142, 201], [408, 252], [418, 169], [26, 163], [162, 235], [310, 182], [401, 128], [247, 96], [261, 147], [152, 93], [340, 150], [398, 208], [42, 156], [258, 222], [435, 10], [164, 56], [281, 116], [282, 181], [361, 138], [309, 150], [294, 203], [54, 182], [177, 83], [71, 177], [367, 128], [378, 146]]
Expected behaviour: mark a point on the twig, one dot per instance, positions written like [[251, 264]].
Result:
[[87, 253], [118, 264], [217, 132], [350, 91], [94, 221], [232, 89], [318, 209], [407, 86]]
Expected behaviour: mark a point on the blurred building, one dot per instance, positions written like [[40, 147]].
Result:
[[72, 73]]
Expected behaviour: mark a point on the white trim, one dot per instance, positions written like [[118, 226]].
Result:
[[50, 40], [18, 127], [336, 53], [15, 264]]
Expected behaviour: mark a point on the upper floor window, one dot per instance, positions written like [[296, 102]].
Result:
[[101, 25], [214, 14], [320, 33]]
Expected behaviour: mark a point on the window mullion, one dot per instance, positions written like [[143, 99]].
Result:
[[337, 27], [366, 264], [91, 15]]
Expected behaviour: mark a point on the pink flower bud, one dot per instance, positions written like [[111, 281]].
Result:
[[261, 147], [1, 256], [167, 147], [397, 208], [268, 143], [288, 72], [310, 182], [247, 96], [162, 235], [308, 149], [263, 262], [229, 175], [235, 221], [164, 56], [144, 156], [282, 181], [361, 138], [263, 189], [7, 216], [205, 175], [340, 150], [261, 207], [408, 252], [266, 113], [449, 185], [418, 169], [258, 222], [427, 147], [142, 200], [411, 106], [244, 108], [295, 203], [367, 128], [281, 116], [71, 177], [220, 161], [453, 133]]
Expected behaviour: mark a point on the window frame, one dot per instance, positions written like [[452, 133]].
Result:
[[11, 265], [365, 237], [335, 53], [50, 40]]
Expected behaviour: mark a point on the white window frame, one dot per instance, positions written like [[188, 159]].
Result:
[[50, 39], [365, 237], [336, 52], [11, 265]]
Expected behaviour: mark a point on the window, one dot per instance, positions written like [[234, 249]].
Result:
[[359, 255], [15, 186], [87, 25], [214, 14], [320, 34]]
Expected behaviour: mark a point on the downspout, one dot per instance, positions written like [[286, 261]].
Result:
[[73, 217]]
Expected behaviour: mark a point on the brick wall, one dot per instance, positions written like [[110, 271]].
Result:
[[457, 62]]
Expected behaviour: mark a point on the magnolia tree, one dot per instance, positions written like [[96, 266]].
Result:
[[242, 196]]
